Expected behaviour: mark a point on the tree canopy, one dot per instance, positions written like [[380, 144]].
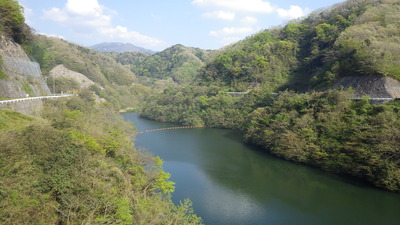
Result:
[[12, 21]]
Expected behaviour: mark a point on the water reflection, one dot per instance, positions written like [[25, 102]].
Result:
[[233, 183]]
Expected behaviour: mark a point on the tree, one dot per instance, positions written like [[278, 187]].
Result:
[[12, 21]]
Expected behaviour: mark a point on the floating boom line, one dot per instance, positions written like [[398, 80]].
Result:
[[168, 128]]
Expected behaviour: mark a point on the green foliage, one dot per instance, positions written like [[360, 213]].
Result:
[[329, 131], [178, 62], [351, 38], [161, 183], [59, 170], [114, 82], [371, 46], [27, 88], [11, 119], [130, 58], [98, 67], [260, 59], [196, 105], [12, 21], [63, 84]]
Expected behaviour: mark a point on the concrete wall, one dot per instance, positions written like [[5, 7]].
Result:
[[31, 107]]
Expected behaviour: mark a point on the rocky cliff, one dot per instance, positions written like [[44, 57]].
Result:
[[372, 86], [20, 77]]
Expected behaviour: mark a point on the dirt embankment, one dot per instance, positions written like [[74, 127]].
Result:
[[61, 71], [372, 86]]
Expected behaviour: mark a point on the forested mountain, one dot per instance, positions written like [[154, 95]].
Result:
[[114, 82], [119, 47], [329, 129], [132, 59], [98, 67], [356, 37], [76, 163], [177, 62]]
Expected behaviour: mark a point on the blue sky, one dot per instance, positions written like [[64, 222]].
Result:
[[158, 24]]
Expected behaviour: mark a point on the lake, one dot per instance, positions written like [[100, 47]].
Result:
[[230, 182]]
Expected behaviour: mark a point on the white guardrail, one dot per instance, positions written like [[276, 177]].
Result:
[[35, 98]]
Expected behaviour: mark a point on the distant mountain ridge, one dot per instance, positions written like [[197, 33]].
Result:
[[120, 47]]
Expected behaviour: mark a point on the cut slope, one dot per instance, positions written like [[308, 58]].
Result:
[[61, 71], [20, 76], [372, 86]]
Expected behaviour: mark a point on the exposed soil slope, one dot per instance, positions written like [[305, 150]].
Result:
[[372, 86]]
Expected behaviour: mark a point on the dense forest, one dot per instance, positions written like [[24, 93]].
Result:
[[357, 37], [177, 62], [75, 163], [283, 69]]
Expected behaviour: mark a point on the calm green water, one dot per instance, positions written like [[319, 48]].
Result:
[[233, 183]]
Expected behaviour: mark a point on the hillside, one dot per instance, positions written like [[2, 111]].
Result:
[[74, 163], [119, 47], [66, 80], [132, 59], [19, 76], [98, 67], [77, 165], [353, 38], [177, 62], [290, 110], [373, 86]]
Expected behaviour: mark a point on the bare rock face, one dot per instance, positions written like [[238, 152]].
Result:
[[11, 49], [372, 86], [61, 71], [22, 77]]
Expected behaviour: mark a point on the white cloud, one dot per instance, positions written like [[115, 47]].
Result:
[[255, 6], [292, 13], [249, 7], [84, 7], [123, 33], [53, 35], [220, 14], [230, 31], [56, 14], [90, 19], [249, 20]]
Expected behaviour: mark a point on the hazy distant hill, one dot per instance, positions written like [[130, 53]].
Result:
[[119, 48]]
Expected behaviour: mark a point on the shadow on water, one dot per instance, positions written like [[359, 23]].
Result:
[[231, 182], [238, 136]]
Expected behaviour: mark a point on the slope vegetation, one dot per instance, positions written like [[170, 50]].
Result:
[[328, 130], [177, 62], [357, 37], [77, 165], [100, 68]]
